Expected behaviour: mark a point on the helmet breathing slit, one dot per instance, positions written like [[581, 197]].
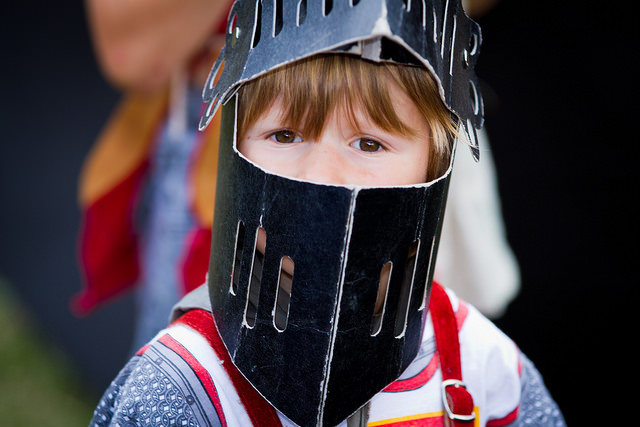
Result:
[[255, 277], [402, 313], [283, 294], [429, 275], [237, 258], [381, 300]]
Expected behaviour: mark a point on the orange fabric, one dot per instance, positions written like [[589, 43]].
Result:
[[204, 174], [122, 146], [108, 245], [108, 192]]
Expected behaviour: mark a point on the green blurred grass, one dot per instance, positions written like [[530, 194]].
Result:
[[38, 386]]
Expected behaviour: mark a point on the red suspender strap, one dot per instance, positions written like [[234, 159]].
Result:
[[259, 410], [458, 403]]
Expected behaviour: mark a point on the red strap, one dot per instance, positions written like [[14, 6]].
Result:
[[457, 401], [195, 258], [259, 410], [108, 245]]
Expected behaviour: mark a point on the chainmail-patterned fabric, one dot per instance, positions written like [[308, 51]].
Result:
[[160, 388], [537, 408], [143, 394], [168, 385]]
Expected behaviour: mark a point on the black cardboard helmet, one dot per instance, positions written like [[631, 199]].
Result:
[[311, 343]]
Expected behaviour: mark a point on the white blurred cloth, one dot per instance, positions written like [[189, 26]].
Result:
[[474, 256]]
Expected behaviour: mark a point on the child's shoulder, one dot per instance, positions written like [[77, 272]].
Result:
[[501, 376], [490, 371], [477, 331], [176, 379]]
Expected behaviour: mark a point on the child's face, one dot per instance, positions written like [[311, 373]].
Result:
[[342, 155]]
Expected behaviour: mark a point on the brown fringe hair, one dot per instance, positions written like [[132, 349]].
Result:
[[312, 88]]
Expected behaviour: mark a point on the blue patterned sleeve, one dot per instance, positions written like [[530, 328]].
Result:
[[111, 402], [148, 391], [537, 407]]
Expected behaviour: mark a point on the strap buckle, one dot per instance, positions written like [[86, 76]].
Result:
[[459, 399]]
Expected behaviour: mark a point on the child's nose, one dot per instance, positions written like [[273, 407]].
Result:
[[324, 164]]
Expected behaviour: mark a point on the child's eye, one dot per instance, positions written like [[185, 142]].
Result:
[[367, 145], [285, 136]]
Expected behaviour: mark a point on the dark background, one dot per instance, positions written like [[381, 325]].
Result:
[[559, 79]]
